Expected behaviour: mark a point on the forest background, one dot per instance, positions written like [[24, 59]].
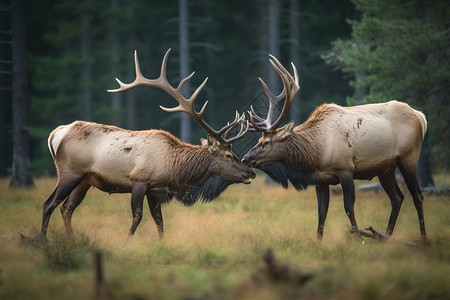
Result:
[[346, 52]]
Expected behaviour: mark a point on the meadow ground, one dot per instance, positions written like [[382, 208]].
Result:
[[215, 250]]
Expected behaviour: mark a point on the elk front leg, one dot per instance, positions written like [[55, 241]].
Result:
[[323, 200], [154, 204], [348, 189], [138, 191]]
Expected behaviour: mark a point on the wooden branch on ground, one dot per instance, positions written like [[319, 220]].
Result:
[[374, 234], [24, 239]]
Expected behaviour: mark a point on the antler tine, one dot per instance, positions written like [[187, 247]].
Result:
[[290, 89], [258, 118], [229, 125], [290, 86], [254, 124], [273, 101], [242, 131], [140, 79], [184, 105]]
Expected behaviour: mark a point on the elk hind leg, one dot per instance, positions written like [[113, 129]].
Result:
[[69, 206], [392, 189], [323, 200], [60, 193], [138, 191], [409, 174]]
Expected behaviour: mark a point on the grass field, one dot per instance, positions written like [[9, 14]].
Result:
[[214, 251]]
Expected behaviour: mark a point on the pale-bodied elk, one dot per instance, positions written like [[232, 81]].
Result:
[[150, 163], [337, 145]]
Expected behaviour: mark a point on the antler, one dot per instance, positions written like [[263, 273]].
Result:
[[185, 105], [290, 89]]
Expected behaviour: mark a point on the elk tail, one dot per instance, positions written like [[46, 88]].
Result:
[[423, 122], [55, 138], [50, 147]]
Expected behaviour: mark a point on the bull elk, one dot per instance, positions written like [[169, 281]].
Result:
[[337, 145], [150, 163]]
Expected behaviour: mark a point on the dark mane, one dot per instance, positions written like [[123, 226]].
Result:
[[302, 150], [207, 192], [191, 181], [280, 173]]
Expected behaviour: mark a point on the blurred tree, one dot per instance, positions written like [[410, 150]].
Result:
[[5, 88], [273, 37], [86, 66], [401, 51], [130, 98], [294, 52], [183, 31], [21, 168]]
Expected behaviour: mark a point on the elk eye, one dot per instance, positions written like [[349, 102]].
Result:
[[229, 156], [266, 143]]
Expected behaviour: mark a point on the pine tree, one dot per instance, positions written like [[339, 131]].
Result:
[[401, 48]]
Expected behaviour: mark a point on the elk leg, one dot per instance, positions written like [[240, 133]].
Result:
[[392, 189], [69, 206], [60, 193], [323, 200], [155, 209], [348, 189], [409, 174], [138, 191]]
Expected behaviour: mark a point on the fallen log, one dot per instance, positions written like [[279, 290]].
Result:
[[370, 187]]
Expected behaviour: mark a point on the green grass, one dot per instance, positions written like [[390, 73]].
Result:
[[215, 250]]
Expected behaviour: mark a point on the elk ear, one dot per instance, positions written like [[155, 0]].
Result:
[[285, 130], [203, 141], [213, 146]]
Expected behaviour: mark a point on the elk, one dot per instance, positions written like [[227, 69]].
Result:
[[337, 145], [150, 163]]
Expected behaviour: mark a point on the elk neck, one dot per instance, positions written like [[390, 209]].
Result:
[[191, 179], [300, 154], [303, 148]]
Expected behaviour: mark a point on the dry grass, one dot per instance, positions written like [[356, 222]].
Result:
[[214, 250]]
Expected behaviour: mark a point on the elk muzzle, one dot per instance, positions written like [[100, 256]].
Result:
[[246, 178], [249, 159]]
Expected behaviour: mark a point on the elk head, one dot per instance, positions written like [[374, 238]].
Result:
[[219, 144], [266, 150]]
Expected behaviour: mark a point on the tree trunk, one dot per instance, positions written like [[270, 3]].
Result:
[[423, 168], [5, 95], [185, 124], [294, 52], [273, 16], [86, 72], [360, 92], [21, 168], [131, 95], [116, 98]]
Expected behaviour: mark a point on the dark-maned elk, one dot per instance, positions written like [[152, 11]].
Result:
[[339, 144], [150, 163]]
